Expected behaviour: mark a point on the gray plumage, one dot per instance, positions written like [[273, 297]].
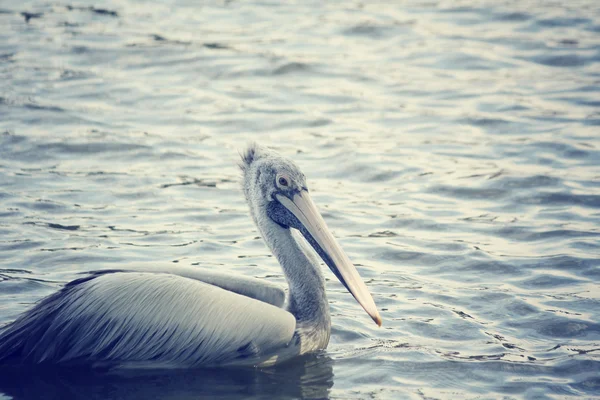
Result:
[[178, 322], [184, 317]]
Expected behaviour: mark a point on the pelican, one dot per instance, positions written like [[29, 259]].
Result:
[[189, 317]]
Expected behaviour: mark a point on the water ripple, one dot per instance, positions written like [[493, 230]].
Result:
[[451, 146]]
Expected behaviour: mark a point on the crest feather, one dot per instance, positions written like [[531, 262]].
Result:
[[248, 156]]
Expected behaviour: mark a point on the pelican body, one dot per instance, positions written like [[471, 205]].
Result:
[[184, 317]]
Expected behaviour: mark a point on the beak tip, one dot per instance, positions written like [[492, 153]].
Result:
[[377, 320]]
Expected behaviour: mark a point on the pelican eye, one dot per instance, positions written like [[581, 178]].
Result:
[[283, 181]]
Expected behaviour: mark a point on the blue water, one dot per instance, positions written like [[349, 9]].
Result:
[[452, 146]]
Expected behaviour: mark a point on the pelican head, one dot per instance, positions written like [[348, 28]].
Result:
[[276, 191]]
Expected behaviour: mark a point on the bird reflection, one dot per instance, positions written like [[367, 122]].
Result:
[[309, 376]]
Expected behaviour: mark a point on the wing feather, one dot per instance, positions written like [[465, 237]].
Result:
[[258, 289], [133, 319]]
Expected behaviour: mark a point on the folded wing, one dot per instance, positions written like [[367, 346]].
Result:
[[251, 287], [142, 320]]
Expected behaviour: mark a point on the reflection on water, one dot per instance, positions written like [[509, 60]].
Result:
[[306, 377]]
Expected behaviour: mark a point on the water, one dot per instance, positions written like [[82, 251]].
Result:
[[453, 148]]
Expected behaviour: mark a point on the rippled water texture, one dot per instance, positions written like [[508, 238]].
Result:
[[453, 147]]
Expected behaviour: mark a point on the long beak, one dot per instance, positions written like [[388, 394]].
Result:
[[318, 235]]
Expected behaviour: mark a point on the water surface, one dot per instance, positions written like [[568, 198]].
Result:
[[453, 148]]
